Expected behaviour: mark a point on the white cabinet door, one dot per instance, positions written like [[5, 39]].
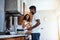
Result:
[[2, 15], [58, 21]]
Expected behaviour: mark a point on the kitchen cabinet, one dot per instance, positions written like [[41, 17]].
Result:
[[20, 19], [13, 37], [2, 16], [14, 6], [13, 9]]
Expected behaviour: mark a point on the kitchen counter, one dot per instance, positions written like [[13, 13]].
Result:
[[13, 37], [10, 36]]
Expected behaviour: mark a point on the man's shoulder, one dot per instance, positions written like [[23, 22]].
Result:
[[37, 16], [36, 13]]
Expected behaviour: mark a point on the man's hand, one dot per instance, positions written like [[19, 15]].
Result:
[[30, 28], [28, 32]]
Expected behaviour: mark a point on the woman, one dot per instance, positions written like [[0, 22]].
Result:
[[26, 24]]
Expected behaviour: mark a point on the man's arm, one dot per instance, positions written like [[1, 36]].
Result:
[[36, 25]]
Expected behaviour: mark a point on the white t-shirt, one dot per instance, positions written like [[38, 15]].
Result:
[[35, 17]]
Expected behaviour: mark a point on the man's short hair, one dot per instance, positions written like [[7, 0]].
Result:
[[32, 7]]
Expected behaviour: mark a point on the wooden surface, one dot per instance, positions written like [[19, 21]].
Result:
[[17, 38], [20, 19]]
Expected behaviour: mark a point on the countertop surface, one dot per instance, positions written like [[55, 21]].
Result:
[[9, 36]]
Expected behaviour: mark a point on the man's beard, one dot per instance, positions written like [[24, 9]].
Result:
[[32, 13]]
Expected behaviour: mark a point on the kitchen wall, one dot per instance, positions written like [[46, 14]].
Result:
[[42, 4], [49, 29]]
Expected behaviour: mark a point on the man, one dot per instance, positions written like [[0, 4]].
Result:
[[35, 24]]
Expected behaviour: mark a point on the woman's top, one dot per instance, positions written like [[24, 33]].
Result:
[[26, 25]]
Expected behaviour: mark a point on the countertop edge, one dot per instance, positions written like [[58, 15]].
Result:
[[11, 36]]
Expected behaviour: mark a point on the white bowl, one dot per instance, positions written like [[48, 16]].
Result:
[[12, 33]]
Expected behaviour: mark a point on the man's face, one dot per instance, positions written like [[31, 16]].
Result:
[[33, 11]]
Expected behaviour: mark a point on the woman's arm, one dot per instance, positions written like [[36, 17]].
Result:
[[29, 31], [23, 24], [28, 25]]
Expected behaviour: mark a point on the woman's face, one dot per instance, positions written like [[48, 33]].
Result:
[[27, 17]]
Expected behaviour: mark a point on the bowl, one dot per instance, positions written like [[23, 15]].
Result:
[[12, 33]]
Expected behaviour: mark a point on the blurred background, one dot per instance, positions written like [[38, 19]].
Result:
[[49, 11]]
